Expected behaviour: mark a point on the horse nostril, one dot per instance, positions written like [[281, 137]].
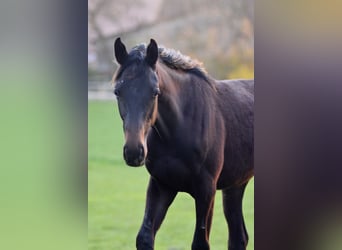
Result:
[[141, 152], [134, 156]]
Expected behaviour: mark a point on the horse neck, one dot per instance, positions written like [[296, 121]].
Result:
[[170, 103], [182, 101]]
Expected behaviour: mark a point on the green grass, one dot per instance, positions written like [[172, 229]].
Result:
[[116, 195]]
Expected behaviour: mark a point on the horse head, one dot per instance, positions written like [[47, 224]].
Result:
[[137, 90]]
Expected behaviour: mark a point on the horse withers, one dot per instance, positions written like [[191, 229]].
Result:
[[193, 133]]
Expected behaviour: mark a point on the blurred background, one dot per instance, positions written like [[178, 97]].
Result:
[[46, 57], [220, 33]]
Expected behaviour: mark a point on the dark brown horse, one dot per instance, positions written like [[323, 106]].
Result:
[[193, 133]]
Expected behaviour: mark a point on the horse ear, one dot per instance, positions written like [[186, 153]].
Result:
[[120, 51], [152, 53]]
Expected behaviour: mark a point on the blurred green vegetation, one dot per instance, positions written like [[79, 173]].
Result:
[[237, 63], [42, 177]]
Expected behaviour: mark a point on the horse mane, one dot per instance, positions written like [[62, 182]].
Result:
[[176, 60], [172, 59]]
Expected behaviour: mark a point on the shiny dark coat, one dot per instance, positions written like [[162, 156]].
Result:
[[194, 134]]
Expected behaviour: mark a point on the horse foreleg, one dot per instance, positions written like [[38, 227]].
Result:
[[232, 204], [204, 200], [158, 201]]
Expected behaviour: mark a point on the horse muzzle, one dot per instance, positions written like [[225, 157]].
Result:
[[134, 156]]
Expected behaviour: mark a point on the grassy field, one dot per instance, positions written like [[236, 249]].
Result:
[[116, 195]]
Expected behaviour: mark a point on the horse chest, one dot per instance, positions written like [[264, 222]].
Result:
[[175, 162], [170, 170]]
